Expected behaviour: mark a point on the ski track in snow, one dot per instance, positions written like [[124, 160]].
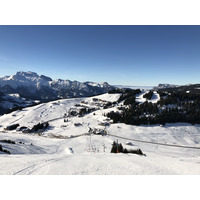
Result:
[[38, 166]]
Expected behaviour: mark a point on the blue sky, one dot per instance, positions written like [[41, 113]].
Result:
[[120, 55]]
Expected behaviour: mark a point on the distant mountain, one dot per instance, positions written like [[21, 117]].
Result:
[[26, 87], [190, 88], [166, 85]]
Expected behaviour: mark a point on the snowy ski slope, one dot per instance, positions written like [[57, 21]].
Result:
[[64, 148]]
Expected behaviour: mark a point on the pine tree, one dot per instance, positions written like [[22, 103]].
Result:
[[114, 147]]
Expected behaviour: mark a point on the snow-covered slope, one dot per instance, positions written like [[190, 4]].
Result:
[[65, 147], [140, 99], [155, 98]]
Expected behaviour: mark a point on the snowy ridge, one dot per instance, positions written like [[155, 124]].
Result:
[[27, 79]]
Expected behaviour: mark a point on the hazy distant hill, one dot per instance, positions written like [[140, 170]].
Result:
[[165, 85], [135, 87], [190, 88]]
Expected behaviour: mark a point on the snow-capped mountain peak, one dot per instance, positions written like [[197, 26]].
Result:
[[25, 79], [30, 84]]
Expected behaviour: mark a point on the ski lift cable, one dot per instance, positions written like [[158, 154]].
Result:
[[143, 141]]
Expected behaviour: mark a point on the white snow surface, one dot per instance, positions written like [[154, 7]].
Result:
[[64, 148], [140, 99], [155, 98]]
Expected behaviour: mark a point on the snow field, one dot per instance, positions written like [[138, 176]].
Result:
[[48, 154]]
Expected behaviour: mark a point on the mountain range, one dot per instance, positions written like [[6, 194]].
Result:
[[24, 88], [31, 85]]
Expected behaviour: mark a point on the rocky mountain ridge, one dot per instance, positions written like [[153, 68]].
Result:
[[24, 88], [31, 85]]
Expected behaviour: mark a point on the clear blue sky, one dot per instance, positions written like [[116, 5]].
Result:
[[127, 55]]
